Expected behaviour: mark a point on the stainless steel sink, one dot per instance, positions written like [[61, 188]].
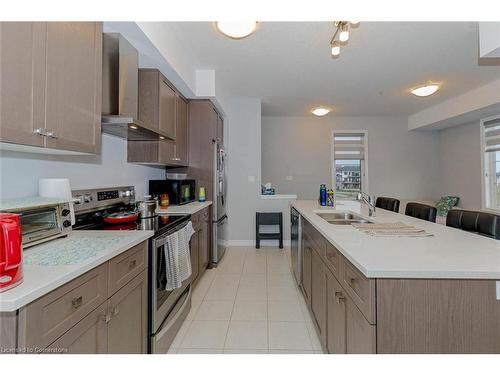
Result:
[[344, 218]]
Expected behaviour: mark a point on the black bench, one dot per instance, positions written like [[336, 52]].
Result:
[[268, 218]]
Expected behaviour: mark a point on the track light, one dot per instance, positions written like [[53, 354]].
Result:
[[335, 48], [341, 35]]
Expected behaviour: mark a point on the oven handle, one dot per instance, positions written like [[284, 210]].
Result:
[[165, 329]]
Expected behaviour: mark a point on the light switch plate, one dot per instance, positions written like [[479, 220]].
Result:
[[498, 290], [289, 178], [251, 178]]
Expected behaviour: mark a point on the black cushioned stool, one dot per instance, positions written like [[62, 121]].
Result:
[[268, 218]]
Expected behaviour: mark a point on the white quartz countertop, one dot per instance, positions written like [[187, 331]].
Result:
[[30, 202], [449, 254], [54, 263], [188, 209]]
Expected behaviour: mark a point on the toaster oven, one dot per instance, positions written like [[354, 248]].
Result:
[[40, 224]]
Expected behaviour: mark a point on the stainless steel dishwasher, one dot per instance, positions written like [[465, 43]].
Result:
[[296, 244]]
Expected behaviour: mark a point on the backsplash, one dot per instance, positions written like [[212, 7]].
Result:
[[20, 171]]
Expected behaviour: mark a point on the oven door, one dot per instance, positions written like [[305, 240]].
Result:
[[163, 301]]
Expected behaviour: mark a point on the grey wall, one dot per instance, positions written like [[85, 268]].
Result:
[[243, 160], [20, 171], [460, 164], [401, 163]]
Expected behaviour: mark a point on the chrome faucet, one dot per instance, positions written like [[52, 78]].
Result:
[[362, 196]]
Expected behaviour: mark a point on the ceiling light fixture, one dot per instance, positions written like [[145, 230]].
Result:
[[341, 35], [335, 48], [320, 111], [236, 30], [425, 89]]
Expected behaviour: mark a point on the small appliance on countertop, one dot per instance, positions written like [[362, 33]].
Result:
[[42, 219], [11, 253], [179, 191]]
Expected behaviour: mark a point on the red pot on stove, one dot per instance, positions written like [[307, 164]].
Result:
[[121, 217], [11, 253]]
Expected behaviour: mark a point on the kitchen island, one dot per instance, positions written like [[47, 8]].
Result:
[[368, 294]]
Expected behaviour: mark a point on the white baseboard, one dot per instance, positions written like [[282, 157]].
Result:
[[251, 243]]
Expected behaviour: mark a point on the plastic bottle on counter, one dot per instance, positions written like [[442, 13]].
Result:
[[322, 195], [330, 198]]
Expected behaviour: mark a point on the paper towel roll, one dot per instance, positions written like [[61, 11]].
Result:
[[57, 188]]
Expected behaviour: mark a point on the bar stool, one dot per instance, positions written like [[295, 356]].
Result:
[[268, 218]]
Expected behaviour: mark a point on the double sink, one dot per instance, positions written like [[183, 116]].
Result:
[[343, 218]]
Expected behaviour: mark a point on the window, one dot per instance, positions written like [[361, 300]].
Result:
[[349, 165], [491, 162]]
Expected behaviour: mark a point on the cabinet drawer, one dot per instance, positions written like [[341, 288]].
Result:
[[46, 319], [124, 267], [318, 241], [360, 289], [87, 337], [333, 259]]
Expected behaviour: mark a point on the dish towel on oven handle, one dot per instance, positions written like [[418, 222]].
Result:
[[178, 257]]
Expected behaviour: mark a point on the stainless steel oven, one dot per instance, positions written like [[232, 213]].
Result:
[[168, 308], [42, 224]]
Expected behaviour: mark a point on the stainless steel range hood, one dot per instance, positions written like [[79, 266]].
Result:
[[120, 88]]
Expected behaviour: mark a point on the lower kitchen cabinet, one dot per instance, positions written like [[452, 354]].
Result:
[[318, 295], [89, 336], [336, 317], [306, 268], [118, 326], [360, 334], [104, 310], [200, 243], [195, 253], [128, 318]]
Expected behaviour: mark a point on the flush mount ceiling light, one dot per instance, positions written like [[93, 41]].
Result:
[[320, 111], [425, 89], [236, 30], [341, 35]]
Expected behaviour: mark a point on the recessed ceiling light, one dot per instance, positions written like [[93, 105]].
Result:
[[236, 30], [320, 111], [425, 90]]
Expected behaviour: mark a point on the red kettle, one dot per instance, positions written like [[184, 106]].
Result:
[[11, 253]]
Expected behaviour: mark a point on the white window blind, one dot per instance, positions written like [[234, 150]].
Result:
[[492, 135], [350, 146]]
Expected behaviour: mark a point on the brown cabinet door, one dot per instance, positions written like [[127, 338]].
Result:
[[22, 77], [74, 87], [89, 336], [318, 295], [182, 136], [204, 240], [360, 334], [166, 152], [220, 128], [167, 99], [306, 269], [128, 315], [336, 317], [195, 254]]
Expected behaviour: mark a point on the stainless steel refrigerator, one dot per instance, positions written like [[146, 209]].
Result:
[[220, 219]]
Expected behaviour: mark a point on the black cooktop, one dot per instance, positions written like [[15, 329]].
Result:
[[94, 221]]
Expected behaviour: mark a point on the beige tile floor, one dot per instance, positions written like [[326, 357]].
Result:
[[249, 304]]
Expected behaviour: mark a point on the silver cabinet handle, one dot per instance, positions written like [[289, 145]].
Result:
[[106, 318], [39, 131], [115, 311], [339, 297], [76, 302], [51, 134]]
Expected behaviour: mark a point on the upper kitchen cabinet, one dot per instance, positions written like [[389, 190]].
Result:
[[157, 102], [22, 76], [163, 110], [74, 89], [51, 85], [182, 133]]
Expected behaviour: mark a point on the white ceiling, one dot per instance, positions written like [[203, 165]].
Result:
[[288, 64]]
